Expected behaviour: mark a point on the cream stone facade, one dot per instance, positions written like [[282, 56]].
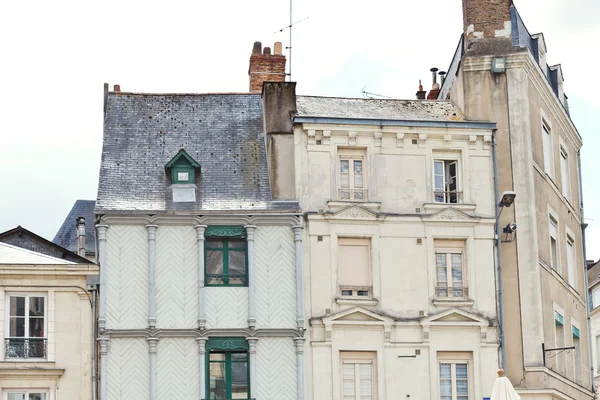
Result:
[[389, 317], [506, 80], [46, 322]]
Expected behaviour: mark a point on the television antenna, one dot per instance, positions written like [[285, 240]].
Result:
[[369, 95], [289, 74]]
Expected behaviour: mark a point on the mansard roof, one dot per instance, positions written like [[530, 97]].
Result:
[[67, 234], [222, 132]]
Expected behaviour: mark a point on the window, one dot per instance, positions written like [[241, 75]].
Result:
[[227, 373], [449, 264], [26, 330], [226, 261], [445, 181], [553, 244], [597, 353], [596, 297], [25, 396], [354, 267], [559, 333], [358, 376], [183, 168], [352, 176], [564, 174], [576, 354], [547, 147], [571, 262], [454, 380]]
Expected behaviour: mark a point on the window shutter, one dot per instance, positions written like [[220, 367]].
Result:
[[353, 262], [575, 332], [558, 319], [570, 263]]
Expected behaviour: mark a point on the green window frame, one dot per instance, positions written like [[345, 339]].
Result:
[[182, 164], [225, 256], [227, 369]]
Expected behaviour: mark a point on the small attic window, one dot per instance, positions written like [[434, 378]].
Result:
[[183, 168]]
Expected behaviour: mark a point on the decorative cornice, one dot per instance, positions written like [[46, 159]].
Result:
[[195, 333], [223, 218], [29, 373]]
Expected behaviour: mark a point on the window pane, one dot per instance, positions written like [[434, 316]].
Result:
[[239, 379], [349, 384], [344, 166], [438, 168], [36, 327], [461, 371], [237, 267], [366, 384], [36, 306], [214, 265], [445, 371], [456, 276], [16, 396], [358, 174], [236, 243], [239, 357], [217, 384], [37, 396], [440, 260], [17, 306], [217, 357], [17, 327], [214, 243]]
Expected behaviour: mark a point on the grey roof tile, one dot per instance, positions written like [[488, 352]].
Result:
[[356, 108], [67, 234], [222, 132]]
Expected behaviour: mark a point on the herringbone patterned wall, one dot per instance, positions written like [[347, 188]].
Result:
[[176, 277], [226, 307], [275, 369], [275, 277], [126, 277], [128, 369], [178, 371]]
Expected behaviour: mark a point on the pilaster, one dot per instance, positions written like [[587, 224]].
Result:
[[152, 350], [104, 341], [251, 274], [201, 290], [202, 357], [101, 231], [299, 277], [151, 275], [252, 354], [299, 341]]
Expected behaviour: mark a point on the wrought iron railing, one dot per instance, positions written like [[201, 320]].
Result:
[[26, 347], [451, 197], [451, 292], [352, 194]]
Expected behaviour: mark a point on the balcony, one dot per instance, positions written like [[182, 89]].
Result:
[[24, 348], [451, 293], [347, 194], [451, 197]]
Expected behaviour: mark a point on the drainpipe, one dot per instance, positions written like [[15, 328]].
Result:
[[585, 277], [498, 252], [94, 350]]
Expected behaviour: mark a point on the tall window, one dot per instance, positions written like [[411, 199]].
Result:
[[228, 371], [576, 354], [547, 145], [358, 376], [26, 331], [597, 352], [564, 174], [559, 332], [571, 261], [449, 263], [552, 223], [454, 380], [445, 181], [596, 297], [225, 254], [354, 267], [25, 396], [352, 185]]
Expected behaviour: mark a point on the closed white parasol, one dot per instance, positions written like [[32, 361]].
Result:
[[503, 389]]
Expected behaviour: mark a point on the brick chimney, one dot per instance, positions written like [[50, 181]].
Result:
[[435, 87], [486, 19], [265, 67], [81, 236]]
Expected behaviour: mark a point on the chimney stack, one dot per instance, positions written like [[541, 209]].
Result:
[[266, 67], [421, 93], [117, 88], [486, 19], [81, 236], [435, 88]]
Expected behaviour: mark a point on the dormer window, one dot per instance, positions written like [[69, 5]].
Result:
[[183, 168]]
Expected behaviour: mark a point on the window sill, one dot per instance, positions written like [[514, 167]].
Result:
[[434, 207], [445, 302], [353, 301]]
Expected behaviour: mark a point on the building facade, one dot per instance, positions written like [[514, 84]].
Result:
[[201, 265], [399, 207], [500, 73], [593, 273], [46, 325]]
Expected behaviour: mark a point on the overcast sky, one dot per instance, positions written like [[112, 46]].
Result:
[[56, 55]]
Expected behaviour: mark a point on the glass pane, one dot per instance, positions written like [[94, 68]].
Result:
[[440, 260], [217, 357], [16, 396], [17, 306], [457, 276], [214, 265], [456, 260], [441, 276], [217, 383], [358, 174], [461, 371], [237, 267], [236, 243], [438, 168], [37, 396], [239, 379], [445, 371], [344, 180], [36, 327], [439, 183], [214, 243], [17, 327], [36, 306], [344, 166], [239, 357], [462, 387], [366, 388]]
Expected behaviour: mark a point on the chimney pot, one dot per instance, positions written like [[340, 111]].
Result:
[[278, 48], [80, 223], [257, 48], [267, 51], [265, 67], [117, 88], [433, 71]]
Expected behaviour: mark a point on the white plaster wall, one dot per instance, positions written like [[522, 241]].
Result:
[[176, 277], [226, 307], [275, 277], [403, 185], [276, 369], [177, 369], [128, 373], [126, 277]]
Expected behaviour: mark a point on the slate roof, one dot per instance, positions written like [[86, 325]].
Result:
[[357, 108], [222, 132], [16, 255], [67, 234]]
